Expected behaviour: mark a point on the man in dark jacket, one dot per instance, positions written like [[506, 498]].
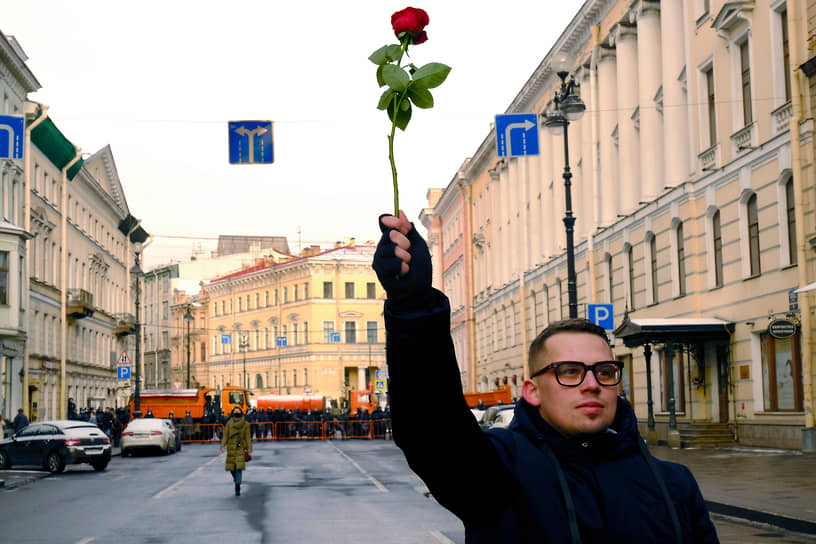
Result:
[[571, 467], [20, 421]]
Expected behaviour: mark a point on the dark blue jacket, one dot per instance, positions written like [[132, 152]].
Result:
[[504, 485]]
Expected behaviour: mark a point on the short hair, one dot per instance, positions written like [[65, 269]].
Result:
[[565, 325]]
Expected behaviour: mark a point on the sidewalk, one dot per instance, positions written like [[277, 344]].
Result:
[[776, 487]]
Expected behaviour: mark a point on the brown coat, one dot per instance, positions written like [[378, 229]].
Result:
[[237, 440]]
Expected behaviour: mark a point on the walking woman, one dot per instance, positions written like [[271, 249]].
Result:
[[237, 440]]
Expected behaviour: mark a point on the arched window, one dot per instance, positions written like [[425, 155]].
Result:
[[258, 381]]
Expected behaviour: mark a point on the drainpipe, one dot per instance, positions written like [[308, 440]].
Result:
[[27, 227], [798, 88], [63, 397]]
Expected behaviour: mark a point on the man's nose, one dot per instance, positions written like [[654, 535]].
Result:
[[590, 383]]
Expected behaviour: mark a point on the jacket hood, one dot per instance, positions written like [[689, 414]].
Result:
[[620, 437]]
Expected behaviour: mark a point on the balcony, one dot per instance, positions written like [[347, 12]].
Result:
[[80, 303], [781, 117], [708, 159], [125, 324], [744, 140]]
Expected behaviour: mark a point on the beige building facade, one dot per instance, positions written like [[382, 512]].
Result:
[[693, 188], [307, 325]]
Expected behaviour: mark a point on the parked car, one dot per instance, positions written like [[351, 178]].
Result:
[[499, 415], [148, 433], [55, 444], [176, 432]]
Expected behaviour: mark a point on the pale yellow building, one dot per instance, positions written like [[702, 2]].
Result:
[[311, 324], [693, 191]]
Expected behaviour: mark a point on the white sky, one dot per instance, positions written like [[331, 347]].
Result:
[[159, 80]]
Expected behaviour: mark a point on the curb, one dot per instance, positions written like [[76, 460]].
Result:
[[784, 522]]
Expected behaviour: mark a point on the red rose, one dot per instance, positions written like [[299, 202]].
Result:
[[410, 21]]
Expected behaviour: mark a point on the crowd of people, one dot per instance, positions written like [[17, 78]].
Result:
[[111, 421]]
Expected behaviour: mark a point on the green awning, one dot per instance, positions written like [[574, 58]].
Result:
[[48, 139]]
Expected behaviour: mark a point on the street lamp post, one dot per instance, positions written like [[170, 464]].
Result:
[[567, 107], [244, 346], [188, 318], [137, 360]]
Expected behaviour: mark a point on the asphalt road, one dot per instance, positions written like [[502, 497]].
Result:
[[325, 492]]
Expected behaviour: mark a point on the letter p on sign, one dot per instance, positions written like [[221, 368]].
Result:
[[602, 315]]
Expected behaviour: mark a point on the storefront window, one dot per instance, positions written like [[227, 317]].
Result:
[[781, 374]]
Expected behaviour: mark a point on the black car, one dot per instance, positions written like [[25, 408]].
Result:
[[54, 444]]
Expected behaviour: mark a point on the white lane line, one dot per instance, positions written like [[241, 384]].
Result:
[[177, 484], [363, 471], [84, 540], [442, 539]]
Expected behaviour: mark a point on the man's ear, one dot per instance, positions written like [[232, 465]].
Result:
[[530, 393]]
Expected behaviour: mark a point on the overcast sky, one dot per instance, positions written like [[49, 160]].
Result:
[[159, 80]]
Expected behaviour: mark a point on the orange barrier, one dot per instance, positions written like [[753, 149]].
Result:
[[293, 430]]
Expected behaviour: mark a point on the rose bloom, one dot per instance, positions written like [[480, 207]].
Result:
[[412, 21]]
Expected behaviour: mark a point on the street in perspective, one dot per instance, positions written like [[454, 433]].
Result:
[[343, 491]]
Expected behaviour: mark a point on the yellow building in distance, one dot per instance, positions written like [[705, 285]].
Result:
[[297, 325]]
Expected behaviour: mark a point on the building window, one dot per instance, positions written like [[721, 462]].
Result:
[[328, 289], [783, 19], [745, 81], [165, 284], [305, 376], [275, 302], [711, 107], [266, 298], [716, 231], [165, 339], [328, 329], [257, 300], [626, 387], [283, 378], [630, 263], [678, 374], [609, 277], [681, 261], [351, 332], [305, 332], [240, 304], [247, 303], [753, 235], [781, 373], [294, 334], [4, 277], [295, 293], [306, 291], [165, 310], [653, 266], [371, 332], [285, 294], [790, 208], [349, 289], [371, 290], [266, 338], [203, 352], [223, 307], [294, 378]]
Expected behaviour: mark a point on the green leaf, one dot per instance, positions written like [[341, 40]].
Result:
[[395, 77], [380, 80], [393, 52], [403, 115], [431, 75], [380, 56], [386, 97], [421, 97]]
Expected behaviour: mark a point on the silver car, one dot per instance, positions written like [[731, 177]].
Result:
[[148, 433], [55, 444]]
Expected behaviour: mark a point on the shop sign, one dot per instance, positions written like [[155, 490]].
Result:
[[50, 365], [781, 328]]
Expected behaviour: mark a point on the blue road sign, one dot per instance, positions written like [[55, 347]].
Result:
[[123, 372], [251, 142], [12, 129], [517, 134], [226, 339], [602, 315], [281, 341], [335, 337]]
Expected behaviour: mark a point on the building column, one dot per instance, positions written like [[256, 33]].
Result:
[[559, 237], [675, 120], [544, 181], [628, 141], [588, 170], [649, 80], [494, 235], [504, 223], [608, 118]]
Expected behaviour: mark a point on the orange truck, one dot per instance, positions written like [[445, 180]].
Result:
[[490, 398], [357, 399], [163, 401]]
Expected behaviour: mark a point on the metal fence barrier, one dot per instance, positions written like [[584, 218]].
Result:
[[367, 429]]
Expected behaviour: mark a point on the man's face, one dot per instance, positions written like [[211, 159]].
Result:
[[573, 411]]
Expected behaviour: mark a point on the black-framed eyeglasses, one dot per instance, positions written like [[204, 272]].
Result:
[[572, 373]]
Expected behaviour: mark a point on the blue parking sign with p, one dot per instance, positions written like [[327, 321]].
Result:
[[123, 372], [602, 315]]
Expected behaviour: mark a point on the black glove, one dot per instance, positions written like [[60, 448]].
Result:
[[410, 292]]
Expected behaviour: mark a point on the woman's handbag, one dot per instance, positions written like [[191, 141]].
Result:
[[247, 455]]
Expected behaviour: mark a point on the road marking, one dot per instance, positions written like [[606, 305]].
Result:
[[442, 539], [84, 540], [363, 471], [177, 484]]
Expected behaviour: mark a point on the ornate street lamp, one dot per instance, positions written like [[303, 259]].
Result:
[[566, 107], [136, 271]]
